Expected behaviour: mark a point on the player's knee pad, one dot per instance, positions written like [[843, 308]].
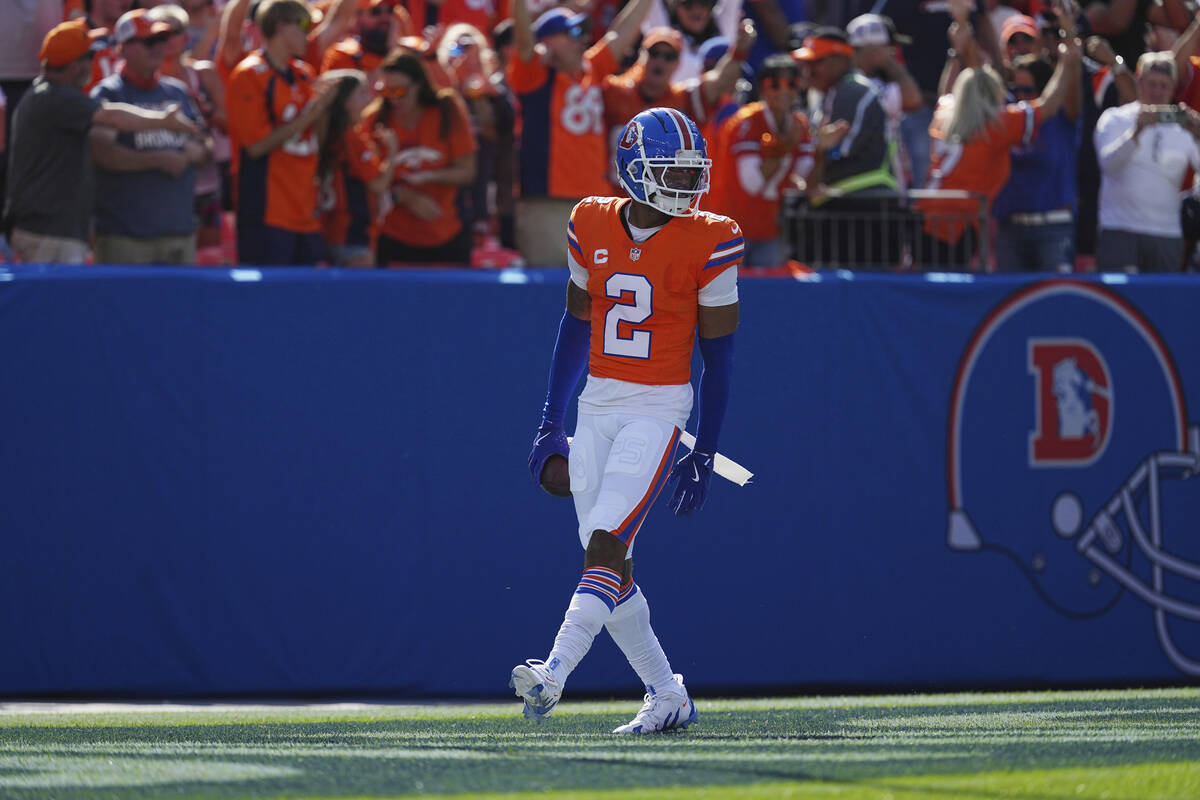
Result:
[[606, 514]]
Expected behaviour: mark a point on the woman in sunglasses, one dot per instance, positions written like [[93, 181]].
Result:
[[435, 155]]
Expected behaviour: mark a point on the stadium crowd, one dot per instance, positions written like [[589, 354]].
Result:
[[1016, 135]]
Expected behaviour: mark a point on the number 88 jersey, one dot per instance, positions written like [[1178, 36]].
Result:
[[645, 297]]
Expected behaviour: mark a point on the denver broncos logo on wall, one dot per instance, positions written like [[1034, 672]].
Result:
[[1069, 452], [1074, 402]]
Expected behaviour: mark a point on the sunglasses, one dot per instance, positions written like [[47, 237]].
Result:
[[156, 39], [304, 22], [698, 3], [665, 53], [1025, 91], [394, 93], [379, 11], [772, 82], [460, 48]]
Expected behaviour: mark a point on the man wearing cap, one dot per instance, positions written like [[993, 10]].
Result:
[[143, 215], [874, 39], [1145, 148], [50, 184], [648, 82], [564, 148], [853, 176], [1019, 36]]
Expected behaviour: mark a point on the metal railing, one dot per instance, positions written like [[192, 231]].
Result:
[[872, 231]]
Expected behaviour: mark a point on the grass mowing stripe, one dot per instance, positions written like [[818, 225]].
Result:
[[1137, 744], [1167, 781]]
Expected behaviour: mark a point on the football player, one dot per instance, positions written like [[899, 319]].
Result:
[[647, 272]]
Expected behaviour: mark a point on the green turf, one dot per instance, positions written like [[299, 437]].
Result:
[[1034, 746]]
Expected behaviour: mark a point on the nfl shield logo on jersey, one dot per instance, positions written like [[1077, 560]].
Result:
[[634, 254]]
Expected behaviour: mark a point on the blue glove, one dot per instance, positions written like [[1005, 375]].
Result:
[[691, 475], [550, 440]]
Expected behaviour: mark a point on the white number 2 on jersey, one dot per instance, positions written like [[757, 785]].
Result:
[[635, 312]]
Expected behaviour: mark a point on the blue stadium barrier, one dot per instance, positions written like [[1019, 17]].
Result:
[[226, 482]]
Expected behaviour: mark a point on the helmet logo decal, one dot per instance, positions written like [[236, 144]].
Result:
[[1074, 403], [633, 133]]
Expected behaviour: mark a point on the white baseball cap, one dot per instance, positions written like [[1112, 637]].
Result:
[[869, 29]]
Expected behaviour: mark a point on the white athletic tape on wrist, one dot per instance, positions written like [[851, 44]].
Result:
[[727, 468]]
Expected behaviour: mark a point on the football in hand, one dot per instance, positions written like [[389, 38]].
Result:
[[556, 476]]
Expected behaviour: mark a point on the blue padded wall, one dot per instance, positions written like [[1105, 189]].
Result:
[[223, 482]]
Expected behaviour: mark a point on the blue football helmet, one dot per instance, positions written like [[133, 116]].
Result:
[[662, 161]]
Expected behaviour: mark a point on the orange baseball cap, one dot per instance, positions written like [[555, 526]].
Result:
[[69, 42], [663, 35], [817, 47]]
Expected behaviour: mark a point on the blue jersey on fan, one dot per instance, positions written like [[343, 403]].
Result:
[[147, 203]]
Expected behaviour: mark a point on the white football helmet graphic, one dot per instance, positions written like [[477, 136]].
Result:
[[1068, 392]]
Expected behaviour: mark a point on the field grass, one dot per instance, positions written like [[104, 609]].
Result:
[[1035, 746]]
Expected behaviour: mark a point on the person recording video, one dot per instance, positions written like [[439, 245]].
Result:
[[1144, 149]]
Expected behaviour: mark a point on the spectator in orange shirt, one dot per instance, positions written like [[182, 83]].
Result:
[[973, 132], [274, 107], [103, 14], [380, 24], [564, 149], [764, 149], [435, 155], [648, 82], [352, 170]]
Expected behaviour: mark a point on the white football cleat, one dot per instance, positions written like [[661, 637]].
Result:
[[666, 710], [536, 685]]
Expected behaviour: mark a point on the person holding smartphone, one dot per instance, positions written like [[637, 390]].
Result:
[[1144, 149]]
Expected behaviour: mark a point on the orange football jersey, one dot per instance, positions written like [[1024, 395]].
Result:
[[421, 149], [563, 139], [981, 164], [645, 297], [279, 188], [345, 201], [750, 132]]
